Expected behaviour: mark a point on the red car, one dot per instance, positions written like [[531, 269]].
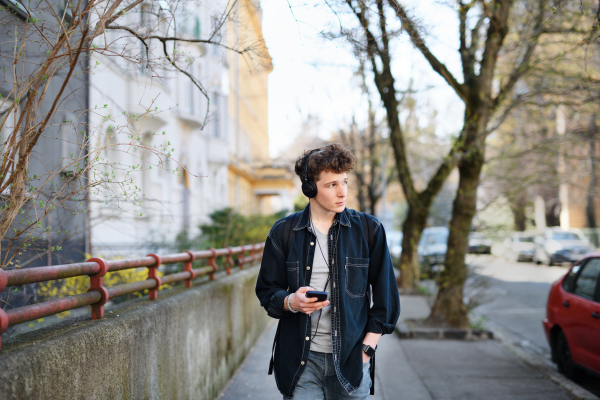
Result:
[[572, 322]]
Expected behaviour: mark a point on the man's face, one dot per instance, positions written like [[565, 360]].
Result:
[[332, 191]]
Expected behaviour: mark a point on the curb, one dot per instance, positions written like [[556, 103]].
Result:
[[404, 332]]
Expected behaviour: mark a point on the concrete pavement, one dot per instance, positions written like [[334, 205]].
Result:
[[419, 370]]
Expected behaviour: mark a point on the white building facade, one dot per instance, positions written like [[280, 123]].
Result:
[[168, 157]]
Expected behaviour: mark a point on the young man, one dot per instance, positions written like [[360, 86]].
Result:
[[323, 349]]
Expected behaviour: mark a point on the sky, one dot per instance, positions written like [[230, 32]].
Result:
[[313, 75]]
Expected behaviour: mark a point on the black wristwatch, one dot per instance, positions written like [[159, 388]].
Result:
[[369, 351]]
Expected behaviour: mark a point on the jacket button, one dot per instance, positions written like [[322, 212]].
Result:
[[307, 338], [302, 363], [308, 268], [312, 243]]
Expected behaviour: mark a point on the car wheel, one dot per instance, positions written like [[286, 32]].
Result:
[[564, 362]]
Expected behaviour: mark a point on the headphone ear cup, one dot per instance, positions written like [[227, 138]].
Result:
[[309, 189]]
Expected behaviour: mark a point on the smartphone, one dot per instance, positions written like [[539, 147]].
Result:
[[321, 296]]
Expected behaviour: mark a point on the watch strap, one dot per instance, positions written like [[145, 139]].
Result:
[[369, 351]]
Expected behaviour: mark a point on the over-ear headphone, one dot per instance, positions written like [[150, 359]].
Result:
[[309, 187]]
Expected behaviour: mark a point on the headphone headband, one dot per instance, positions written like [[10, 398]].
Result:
[[307, 162], [309, 187]]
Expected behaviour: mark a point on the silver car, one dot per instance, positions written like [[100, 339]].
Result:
[[558, 245], [432, 248], [520, 246]]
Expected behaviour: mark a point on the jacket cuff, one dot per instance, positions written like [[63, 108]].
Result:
[[376, 326], [276, 306]]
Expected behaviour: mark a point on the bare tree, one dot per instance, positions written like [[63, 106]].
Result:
[[489, 94], [47, 65], [371, 153], [371, 41]]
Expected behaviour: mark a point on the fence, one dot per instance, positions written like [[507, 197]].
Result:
[[97, 295]]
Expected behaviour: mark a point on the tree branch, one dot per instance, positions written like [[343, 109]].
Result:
[[523, 67], [418, 42]]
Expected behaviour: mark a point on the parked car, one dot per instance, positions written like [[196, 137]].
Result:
[[479, 244], [520, 246], [394, 242], [557, 245], [432, 248], [572, 322]]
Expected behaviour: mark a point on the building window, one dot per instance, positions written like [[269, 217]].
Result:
[[145, 23], [7, 129], [70, 146], [188, 21], [15, 6], [9, 122], [64, 10], [216, 115]]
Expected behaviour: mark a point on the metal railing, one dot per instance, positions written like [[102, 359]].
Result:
[[97, 295]]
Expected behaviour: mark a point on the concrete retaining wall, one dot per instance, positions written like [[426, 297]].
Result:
[[185, 345]]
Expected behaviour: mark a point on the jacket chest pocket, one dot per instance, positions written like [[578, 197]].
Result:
[[357, 274], [293, 275]]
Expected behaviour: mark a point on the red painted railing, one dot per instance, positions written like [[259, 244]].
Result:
[[97, 295]]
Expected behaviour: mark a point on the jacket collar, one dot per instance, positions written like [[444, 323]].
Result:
[[304, 220]]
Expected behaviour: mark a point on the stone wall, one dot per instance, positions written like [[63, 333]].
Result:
[[185, 345]]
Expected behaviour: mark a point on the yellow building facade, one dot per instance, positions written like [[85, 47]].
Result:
[[254, 184]]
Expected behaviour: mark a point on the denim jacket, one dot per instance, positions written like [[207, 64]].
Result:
[[353, 268]]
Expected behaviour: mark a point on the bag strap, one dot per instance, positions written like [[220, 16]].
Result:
[[289, 232], [288, 235], [272, 362], [367, 223], [372, 375]]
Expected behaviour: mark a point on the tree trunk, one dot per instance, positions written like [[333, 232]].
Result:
[[449, 306], [590, 207], [409, 263], [518, 210], [590, 211]]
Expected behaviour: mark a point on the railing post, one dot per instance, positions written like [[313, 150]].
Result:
[[153, 274], [97, 283], [259, 256], [3, 316], [212, 263], [252, 249], [242, 258], [187, 266], [228, 260]]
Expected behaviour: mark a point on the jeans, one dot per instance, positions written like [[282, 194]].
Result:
[[320, 382]]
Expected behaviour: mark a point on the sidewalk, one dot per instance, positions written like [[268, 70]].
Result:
[[419, 370]]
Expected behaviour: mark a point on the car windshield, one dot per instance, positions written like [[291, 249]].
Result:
[[526, 239], [565, 236]]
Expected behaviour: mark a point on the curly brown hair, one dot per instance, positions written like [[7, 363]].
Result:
[[333, 157]]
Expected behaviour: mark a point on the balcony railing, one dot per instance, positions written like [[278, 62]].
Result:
[[97, 295]]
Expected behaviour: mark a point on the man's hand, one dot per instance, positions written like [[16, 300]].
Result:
[[300, 302], [371, 339]]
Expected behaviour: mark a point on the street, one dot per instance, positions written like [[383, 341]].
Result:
[[513, 299]]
